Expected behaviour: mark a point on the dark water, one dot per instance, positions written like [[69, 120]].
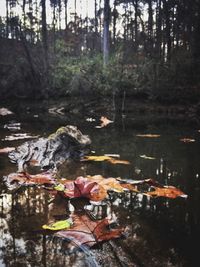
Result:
[[159, 232]]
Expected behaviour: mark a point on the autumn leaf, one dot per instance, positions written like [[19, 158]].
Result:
[[148, 135], [81, 187], [59, 225], [105, 158], [84, 231], [153, 188], [19, 136], [104, 122], [6, 149], [23, 178], [166, 191], [5, 112], [94, 187], [147, 157], [187, 140]]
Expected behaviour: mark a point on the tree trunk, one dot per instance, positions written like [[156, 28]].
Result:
[[7, 19], [150, 27], [44, 33], [66, 14], [106, 31], [114, 21], [168, 27]]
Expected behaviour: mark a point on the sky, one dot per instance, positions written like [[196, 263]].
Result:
[[83, 6]]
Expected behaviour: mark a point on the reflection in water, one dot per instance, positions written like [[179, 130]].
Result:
[[159, 231]]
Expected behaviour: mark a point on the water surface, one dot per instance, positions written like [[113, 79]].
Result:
[[159, 232]]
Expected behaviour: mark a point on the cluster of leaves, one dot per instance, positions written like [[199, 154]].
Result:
[[80, 228]]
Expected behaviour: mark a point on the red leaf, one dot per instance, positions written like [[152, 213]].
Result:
[[84, 231]]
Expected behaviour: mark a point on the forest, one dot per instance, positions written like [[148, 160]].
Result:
[[142, 48]]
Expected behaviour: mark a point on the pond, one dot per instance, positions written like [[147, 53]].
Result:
[[158, 231]]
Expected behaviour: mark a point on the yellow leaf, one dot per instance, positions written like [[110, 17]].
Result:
[[105, 158], [60, 225], [148, 135]]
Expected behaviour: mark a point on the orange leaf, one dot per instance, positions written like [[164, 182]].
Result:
[[104, 122], [118, 161], [166, 191]]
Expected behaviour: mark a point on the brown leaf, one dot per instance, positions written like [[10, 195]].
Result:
[[84, 231], [148, 135], [6, 149], [24, 178]]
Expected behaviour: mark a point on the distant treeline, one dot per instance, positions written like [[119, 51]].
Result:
[[149, 46]]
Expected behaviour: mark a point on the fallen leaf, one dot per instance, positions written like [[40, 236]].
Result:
[[6, 149], [104, 122], [112, 155], [81, 187], [84, 231], [19, 136], [146, 157], [187, 140], [59, 225], [23, 178], [118, 161], [13, 126], [148, 135], [105, 158], [167, 191], [5, 111]]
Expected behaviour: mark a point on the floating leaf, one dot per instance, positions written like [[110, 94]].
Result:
[[81, 187], [59, 187], [112, 155], [104, 122], [6, 149], [96, 158], [187, 140], [60, 225], [146, 157], [5, 111], [118, 161], [167, 191], [105, 158], [84, 231], [23, 178], [19, 136], [13, 126], [148, 135]]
